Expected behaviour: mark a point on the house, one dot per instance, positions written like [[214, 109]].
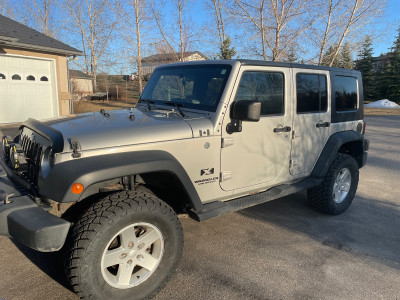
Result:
[[149, 63], [81, 84], [380, 62], [33, 74]]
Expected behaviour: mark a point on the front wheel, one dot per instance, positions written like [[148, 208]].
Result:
[[336, 192], [125, 246]]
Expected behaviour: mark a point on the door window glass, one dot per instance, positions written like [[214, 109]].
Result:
[[266, 87], [345, 93], [311, 92], [16, 77], [2, 76]]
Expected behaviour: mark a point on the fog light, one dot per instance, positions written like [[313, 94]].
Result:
[[6, 146], [77, 188]]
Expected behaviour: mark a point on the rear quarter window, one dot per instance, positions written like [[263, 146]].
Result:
[[346, 93]]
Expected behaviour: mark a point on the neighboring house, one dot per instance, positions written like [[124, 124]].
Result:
[[33, 74], [380, 62], [82, 84], [151, 62]]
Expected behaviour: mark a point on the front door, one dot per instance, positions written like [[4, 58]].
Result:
[[260, 153], [311, 120]]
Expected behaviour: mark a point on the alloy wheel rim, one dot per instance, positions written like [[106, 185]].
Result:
[[132, 255], [341, 186]]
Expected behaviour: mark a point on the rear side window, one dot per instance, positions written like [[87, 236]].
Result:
[[346, 93], [266, 87], [311, 93]]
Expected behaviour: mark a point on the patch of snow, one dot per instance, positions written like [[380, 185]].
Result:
[[385, 103]]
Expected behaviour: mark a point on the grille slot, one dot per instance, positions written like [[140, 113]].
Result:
[[33, 152]]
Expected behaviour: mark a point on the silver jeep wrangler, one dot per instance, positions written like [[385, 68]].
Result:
[[205, 138]]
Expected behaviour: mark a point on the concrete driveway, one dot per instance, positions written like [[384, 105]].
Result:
[[278, 250]]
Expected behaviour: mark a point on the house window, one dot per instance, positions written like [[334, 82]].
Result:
[[346, 93], [30, 78], [311, 93], [16, 77], [266, 87], [44, 78], [2, 76]]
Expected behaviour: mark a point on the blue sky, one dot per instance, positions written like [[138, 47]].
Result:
[[383, 44]]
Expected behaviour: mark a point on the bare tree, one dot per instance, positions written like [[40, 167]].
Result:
[[43, 16], [132, 26], [279, 22], [168, 38], [217, 7], [157, 16], [341, 19], [95, 21]]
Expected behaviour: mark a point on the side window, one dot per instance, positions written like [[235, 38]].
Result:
[[16, 77], [267, 87], [44, 78], [2, 76], [311, 93], [30, 78], [345, 93]]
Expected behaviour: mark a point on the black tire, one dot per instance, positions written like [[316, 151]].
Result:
[[322, 198], [93, 234]]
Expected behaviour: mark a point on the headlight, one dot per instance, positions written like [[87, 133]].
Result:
[[17, 158]]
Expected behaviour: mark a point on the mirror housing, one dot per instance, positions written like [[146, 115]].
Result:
[[246, 110], [243, 110]]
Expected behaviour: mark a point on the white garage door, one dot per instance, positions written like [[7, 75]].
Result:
[[27, 89]]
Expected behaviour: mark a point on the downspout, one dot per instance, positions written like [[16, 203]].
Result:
[[71, 101]]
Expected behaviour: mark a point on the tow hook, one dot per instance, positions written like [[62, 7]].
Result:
[[7, 200]]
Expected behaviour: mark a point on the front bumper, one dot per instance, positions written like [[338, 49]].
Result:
[[24, 220]]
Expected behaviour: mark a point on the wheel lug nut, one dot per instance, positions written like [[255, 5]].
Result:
[[140, 257], [129, 261], [123, 255], [130, 245], [140, 246]]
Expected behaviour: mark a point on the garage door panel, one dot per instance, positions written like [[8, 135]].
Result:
[[23, 99]]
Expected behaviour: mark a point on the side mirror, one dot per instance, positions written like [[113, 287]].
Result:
[[246, 110], [243, 110]]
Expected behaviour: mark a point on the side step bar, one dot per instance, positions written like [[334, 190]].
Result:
[[218, 208]]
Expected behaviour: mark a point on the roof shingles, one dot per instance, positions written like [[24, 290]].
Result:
[[17, 35]]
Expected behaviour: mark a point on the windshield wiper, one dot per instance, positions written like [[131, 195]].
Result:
[[148, 102], [178, 106]]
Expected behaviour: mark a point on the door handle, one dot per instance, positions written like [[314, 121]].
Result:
[[325, 124], [282, 129]]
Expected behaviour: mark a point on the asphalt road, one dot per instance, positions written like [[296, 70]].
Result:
[[278, 250]]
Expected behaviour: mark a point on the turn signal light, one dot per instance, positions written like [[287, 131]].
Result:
[[77, 188]]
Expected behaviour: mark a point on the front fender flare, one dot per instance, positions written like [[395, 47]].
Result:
[[92, 170]]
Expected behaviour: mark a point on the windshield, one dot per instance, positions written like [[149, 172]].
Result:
[[195, 86]]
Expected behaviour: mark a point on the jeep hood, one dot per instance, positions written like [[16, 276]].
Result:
[[125, 127]]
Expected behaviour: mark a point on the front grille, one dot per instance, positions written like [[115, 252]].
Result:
[[33, 153]]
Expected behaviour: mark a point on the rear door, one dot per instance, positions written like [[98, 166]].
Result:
[[311, 120]]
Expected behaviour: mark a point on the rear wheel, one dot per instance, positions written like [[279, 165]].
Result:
[[124, 246], [335, 194]]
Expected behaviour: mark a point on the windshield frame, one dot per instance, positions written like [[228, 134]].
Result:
[[151, 84]]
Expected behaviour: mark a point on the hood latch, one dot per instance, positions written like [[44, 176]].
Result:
[[76, 148]]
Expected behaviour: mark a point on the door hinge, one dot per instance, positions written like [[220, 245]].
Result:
[[225, 175], [226, 142]]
